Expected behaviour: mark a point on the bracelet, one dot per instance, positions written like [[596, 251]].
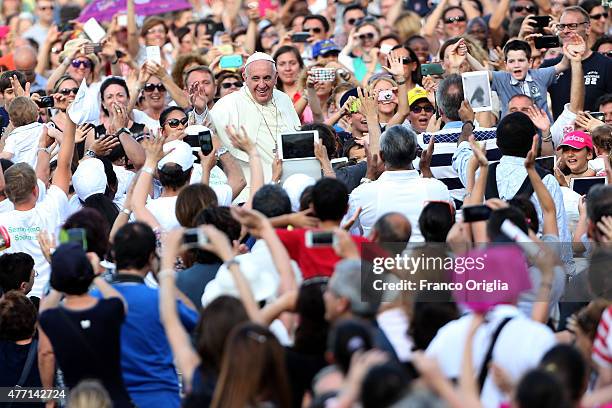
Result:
[[166, 273], [127, 211], [43, 149], [148, 170], [231, 262]]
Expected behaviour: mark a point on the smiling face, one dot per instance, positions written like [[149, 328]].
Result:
[[205, 82], [315, 28], [82, 69], [156, 35], [455, 23], [420, 113], [583, 29], [420, 48], [517, 64], [260, 77], [229, 85], [156, 97], [599, 19], [358, 122], [576, 159], [386, 107], [288, 68], [66, 89]]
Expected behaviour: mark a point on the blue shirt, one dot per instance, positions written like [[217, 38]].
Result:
[[146, 358], [535, 85]]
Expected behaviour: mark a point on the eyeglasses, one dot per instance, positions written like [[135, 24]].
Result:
[[85, 63], [406, 61], [316, 30], [352, 21], [174, 123], [457, 19], [600, 15], [571, 26], [528, 9], [228, 85], [366, 36], [418, 109], [68, 91], [152, 87]]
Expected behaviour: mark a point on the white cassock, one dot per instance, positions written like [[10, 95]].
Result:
[[263, 123]]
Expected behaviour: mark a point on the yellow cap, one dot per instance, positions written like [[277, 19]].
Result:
[[415, 94]]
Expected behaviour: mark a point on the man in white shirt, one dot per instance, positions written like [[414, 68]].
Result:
[[29, 217], [399, 189], [264, 112]]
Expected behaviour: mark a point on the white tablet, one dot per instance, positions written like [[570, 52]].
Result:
[[582, 185], [297, 145], [477, 90]]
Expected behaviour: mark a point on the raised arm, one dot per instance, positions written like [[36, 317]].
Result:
[[132, 29], [154, 151], [63, 173], [234, 173], [396, 69], [549, 212], [240, 140], [313, 100], [429, 29], [119, 119], [173, 89], [43, 54], [369, 109], [577, 89]]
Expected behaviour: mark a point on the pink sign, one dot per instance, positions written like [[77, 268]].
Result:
[[104, 10]]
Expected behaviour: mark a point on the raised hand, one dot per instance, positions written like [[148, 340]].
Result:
[[479, 152], [154, 149], [396, 66], [532, 154], [255, 222], [240, 139], [368, 102], [539, 118], [82, 131], [587, 122], [103, 146], [457, 53], [425, 161], [466, 113]]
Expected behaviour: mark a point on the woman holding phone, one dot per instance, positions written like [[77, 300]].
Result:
[[360, 54]]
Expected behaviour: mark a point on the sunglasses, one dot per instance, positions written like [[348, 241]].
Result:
[[418, 109], [316, 30], [68, 91], [457, 19], [85, 63], [45, 8], [352, 21], [174, 123], [600, 15], [366, 36], [406, 60], [519, 9], [152, 87], [228, 85]]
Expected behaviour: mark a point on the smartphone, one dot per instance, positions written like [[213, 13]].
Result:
[[154, 54], [78, 235], [547, 41], [301, 37], [122, 20], [355, 106], [46, 102], [339, 162], [324, 74], [194, 238], [540, 21], [205, 140], [599, 116], [385, 95], [94, 30], [320, 239], [474, 213], [432, 69], [65, 27], [230, 61], [97, 48], [385, 49]]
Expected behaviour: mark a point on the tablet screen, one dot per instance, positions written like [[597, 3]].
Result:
[[583, 185], [297, 145]]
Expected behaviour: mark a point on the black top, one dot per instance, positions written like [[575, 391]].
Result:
[[86, 344], [118, 152], [597, 71], [302, 368], [351, 175], [12, 360]]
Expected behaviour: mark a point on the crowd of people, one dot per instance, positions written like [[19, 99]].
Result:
[[157, 250]]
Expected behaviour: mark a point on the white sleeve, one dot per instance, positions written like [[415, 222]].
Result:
[[9, 144], [55, 204], [224, 194], [566, 119]]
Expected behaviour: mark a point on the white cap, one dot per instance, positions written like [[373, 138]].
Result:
[[295, 185], [259, 56], [89, 179], [180, 153]]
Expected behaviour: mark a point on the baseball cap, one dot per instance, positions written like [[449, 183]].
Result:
[[89, 178], [71, 271], [416, 94], [180, 153], [259, 56], [323, 47], [577, 140]]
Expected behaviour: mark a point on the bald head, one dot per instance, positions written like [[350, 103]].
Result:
[[392, 227], [25, 61]]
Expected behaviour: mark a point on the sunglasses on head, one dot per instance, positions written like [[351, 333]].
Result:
[[519, 9], [174, 123], [418, 109], [366, 36], [600, 15], [228, 85], [68, 91], [152, 87], [85, 63], [457, 19], [316, 30]]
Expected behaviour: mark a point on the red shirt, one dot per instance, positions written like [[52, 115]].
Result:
[[319, 261]]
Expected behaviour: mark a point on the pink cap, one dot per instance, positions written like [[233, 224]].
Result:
[[577, 140]]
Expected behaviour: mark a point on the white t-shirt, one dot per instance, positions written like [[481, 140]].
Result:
[[163, 208], [6, 205], [124, 179], [24, 226], [23, 143]]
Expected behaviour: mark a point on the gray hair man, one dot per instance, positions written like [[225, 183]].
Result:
[[262, 110], [400, 180]]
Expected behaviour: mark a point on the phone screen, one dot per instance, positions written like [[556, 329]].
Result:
[[205, 140], [475, 213], [583, 185], [322, 238]]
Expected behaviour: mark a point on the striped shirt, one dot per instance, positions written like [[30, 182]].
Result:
[[602, 353]]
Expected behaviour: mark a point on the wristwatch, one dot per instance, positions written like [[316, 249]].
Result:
[[90, 153], [222, 150], [123, 130], [365, 180]]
